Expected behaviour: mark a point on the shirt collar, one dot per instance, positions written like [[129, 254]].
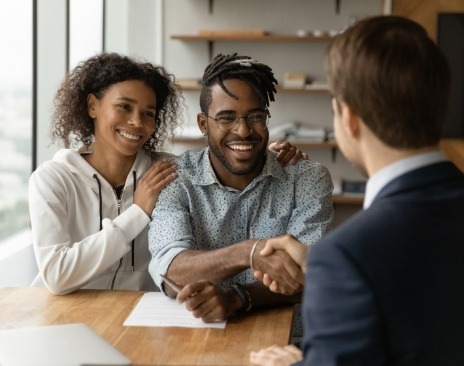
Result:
[[206, 176], [385, 175]]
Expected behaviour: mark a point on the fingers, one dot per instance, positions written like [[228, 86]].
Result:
[[298, 156], [271, 245], [294, 350], [281, 268], [274, 287], [159, 175], [191, 290], [297, 250], [259, 275], [286, 153], [153, 181], [276, 356], [205, 301]]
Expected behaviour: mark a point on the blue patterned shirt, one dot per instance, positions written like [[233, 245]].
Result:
[[196, 212]]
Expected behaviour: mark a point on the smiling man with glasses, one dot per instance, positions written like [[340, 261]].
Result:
[[210, 224]]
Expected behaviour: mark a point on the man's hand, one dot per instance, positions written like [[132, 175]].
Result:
[[294, 248], [209, 302], [280, 268], [276, 356], [287, 152]]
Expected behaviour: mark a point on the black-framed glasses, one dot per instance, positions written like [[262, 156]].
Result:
[[229, 121]]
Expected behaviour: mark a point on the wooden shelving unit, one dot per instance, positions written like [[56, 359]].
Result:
[[266, 38], [210, 39]]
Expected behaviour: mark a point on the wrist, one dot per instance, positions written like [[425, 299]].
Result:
[[252, 253], [244, 298]]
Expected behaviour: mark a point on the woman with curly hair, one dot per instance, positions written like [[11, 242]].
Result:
[[90, 207]]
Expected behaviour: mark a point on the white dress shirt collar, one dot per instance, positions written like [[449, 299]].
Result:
[[385, 175]]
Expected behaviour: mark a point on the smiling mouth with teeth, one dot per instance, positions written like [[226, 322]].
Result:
[[129, 135], [241, 147]]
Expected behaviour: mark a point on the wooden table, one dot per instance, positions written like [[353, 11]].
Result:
[[105, 312]]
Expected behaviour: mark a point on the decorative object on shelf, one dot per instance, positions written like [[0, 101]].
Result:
[[353, 187], [189, 83], [294, 80]]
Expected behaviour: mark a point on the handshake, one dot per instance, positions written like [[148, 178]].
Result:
[[292, 253]]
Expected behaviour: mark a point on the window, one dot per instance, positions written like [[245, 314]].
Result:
[[15, 115]]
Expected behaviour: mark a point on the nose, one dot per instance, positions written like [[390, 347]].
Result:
[[135, 120], [243, 128]]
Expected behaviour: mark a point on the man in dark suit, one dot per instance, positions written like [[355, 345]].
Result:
[[387, 287]]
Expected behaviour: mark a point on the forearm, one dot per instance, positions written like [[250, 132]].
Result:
[[214, 265]]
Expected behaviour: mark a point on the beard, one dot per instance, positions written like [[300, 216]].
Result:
[[251, 165]]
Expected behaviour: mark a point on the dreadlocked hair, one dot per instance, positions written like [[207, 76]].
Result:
[[258, 75]]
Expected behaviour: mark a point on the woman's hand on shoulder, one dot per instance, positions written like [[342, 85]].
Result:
[[158, 176], [286, 152]]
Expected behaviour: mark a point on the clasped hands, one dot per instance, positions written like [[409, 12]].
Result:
[[292, 254], [278, 262]]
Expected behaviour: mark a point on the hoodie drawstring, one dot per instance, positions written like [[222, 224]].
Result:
[[134, 176], [100, 197]]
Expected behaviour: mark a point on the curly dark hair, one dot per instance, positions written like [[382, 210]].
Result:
[[258, 75], [71, 123]]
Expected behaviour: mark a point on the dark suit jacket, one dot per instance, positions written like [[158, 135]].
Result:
[[387, 287]]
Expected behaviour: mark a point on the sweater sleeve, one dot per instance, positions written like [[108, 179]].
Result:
[[66, 264]]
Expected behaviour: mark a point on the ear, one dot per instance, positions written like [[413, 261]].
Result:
[[350, 120], [92, 105], [202, 121]]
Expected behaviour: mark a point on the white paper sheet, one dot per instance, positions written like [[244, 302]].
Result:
[[155, 309]]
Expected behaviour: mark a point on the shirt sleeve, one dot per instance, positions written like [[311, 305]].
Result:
[[170, 230], [66, 265], [313, 213], [341, 319]]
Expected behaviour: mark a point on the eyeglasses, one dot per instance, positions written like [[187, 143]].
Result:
[[229, 122]]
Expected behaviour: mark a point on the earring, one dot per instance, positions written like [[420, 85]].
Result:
[[204, 133]]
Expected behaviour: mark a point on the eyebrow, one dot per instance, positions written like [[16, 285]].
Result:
[[130, 100], [258, 109]]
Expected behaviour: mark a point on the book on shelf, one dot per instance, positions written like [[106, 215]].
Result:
[[316, 85], [298, 131]]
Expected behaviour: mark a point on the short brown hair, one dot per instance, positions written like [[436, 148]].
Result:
[[394, 77]]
